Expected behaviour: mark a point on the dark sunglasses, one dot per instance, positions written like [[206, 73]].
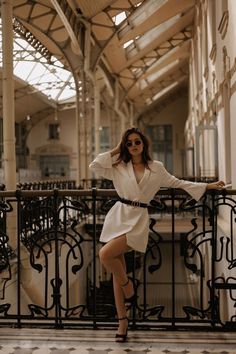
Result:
[[131, 143]]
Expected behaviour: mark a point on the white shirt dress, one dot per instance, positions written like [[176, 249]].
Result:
[[123, 219]]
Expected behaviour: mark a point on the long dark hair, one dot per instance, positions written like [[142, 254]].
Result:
[[124, 154]]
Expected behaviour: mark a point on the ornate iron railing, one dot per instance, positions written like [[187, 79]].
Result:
[[50, 273], [47, 185]]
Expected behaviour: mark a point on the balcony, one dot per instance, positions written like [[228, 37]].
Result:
[[53, 277]]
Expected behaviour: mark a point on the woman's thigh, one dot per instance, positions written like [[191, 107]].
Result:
[[116, 247]]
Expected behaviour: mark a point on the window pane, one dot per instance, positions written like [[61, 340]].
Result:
[[53, 131], [161, 142]]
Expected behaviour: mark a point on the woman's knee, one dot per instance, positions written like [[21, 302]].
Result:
[[103, 255]]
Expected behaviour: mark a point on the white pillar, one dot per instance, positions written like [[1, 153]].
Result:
[[117, 108], [77, 136], [81, 125], [97, 122], [8, 97], [9, 156]]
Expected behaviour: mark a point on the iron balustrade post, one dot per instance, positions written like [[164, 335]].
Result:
[[18, 254], [213, 260], [145, 285], [204, 234], [133, 308], [94, 200], [57, 281], [173, 254]]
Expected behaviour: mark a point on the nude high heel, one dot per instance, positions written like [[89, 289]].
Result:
[[132, 299], [121, 338]]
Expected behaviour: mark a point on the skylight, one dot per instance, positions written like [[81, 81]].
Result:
[[119, 18], [126, 44], [165, 90], [162, 71], [52, 79]]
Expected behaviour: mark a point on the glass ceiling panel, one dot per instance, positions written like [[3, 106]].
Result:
[[150, 36], [156, 75], [165, 90], [30, 66], [162, 71], [23, 70], [119, 18]]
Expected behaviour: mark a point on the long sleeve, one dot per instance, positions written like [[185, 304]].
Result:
[[195, 189], [102, 165]]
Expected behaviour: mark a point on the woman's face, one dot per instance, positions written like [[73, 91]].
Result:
[[134, 144]]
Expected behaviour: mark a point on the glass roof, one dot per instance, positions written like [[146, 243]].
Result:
[[162, 92], [50, 79], [119, 18]]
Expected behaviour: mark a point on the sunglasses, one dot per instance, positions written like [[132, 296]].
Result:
[[133, 143]]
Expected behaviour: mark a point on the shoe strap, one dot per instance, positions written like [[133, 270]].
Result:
[[123, 318], [126, 283]]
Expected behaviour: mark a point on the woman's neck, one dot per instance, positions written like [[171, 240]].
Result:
[[137, 161]]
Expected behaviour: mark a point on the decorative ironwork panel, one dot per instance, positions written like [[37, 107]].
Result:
[[186, 278], [180, 282]]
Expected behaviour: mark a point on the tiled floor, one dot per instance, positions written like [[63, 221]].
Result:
[[42, 341]]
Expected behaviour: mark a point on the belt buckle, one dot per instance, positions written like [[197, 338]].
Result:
[[135, 203]]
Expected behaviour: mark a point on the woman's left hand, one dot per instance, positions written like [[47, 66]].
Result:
[[216, 185]]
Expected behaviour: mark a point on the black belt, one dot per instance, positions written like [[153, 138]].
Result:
[[133, 203]]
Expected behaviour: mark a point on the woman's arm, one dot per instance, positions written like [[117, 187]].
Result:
[[102, 165], [116, 150], [215, 185]]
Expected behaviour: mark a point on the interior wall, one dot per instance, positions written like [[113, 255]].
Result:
[[233, 139], [39, 138], [218, 82]]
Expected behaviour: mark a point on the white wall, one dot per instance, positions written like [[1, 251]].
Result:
[[38, 138], [233, 140], [222, 66]]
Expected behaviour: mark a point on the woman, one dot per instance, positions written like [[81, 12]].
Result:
[[136, 178]]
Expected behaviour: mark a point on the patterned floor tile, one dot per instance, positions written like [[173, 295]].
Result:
[[215, 352], [25, 341], [177, 351], [62, 351], [42, 350], [20, 350], [5, 350]]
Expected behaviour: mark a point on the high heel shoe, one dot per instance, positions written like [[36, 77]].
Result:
[[121, 338], [132, 299]]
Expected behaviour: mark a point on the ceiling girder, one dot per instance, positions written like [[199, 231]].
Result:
[[71, 17], [159, 12]]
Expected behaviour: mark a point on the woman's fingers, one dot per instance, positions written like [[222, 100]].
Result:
[[220, 184]]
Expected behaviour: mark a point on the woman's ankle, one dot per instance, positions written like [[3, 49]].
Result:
[[128, 289], [125, 284]]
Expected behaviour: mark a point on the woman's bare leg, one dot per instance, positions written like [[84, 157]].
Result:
[[119, 300], [110, 258]]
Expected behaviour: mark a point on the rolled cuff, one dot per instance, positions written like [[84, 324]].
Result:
[[102, 165]]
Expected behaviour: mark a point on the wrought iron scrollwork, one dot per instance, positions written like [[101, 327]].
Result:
[[59, 245], [50, 231], [7, 254]]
